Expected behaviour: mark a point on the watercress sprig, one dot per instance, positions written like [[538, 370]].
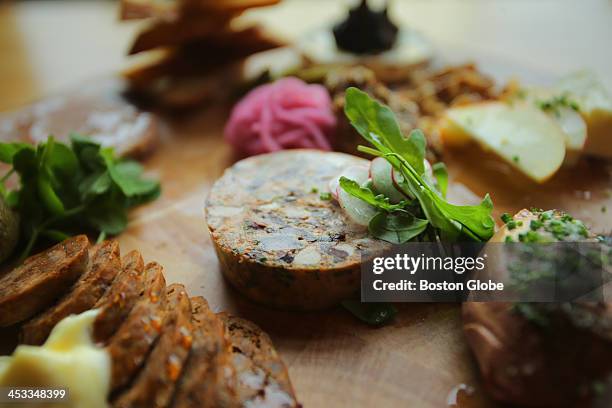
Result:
[[67, 189]]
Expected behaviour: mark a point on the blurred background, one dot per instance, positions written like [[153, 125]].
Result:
[[46, 46]]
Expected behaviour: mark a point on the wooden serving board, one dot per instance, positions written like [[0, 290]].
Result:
[[333, 359]]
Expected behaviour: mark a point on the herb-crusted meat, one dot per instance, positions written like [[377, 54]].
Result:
[[277, 240], [208, 379], [118, 301], [42, 278], [130, 345], [104, 264], [154, 386]]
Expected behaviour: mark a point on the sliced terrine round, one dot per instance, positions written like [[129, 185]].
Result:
[[279, 238]]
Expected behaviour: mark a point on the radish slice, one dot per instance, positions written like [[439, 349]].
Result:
[[357, 210], [360, 174], [380, 170]]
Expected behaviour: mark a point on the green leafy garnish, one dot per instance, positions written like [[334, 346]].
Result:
[[325, 196], [376, 314], [68, 189], [376, 200], [377, 124], [396, 228], [441, 175]]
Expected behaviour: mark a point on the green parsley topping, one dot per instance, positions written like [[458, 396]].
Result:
[[535, 225], [555, 103], [325, 196]]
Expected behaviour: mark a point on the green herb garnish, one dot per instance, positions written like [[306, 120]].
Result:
[[377, 200], [68, 189], [441, 175], [325, 196], [396, 228], [556, 102], [535, 225], [377, 124]]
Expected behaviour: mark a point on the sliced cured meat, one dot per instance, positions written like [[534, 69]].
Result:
[[132, 342], [96, 110], [154, 385], [104, 264], [208, 379], [277, 240], [262, 378], [118, 301], [41, 279]]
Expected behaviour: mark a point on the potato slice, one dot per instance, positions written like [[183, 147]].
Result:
[[522, 135], [565, 115], [595, 104]]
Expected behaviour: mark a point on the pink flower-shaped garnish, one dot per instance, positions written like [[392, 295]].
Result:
[[286, 114]]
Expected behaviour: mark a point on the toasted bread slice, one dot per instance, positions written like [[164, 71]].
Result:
[[131, 344], [118, 301], [166, 33], [183, 77], [41, 279], [154, 385], [104, 264], [175, 9], [262, 378], [208, 379]]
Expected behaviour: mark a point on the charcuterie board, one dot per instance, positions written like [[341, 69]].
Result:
[[334, 360], [421, 359]]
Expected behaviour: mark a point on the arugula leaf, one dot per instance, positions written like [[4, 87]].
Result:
[[374, 122], [377, 124], [441, 175], [375, 314], [397, 228], [68, 189], [379, 201]]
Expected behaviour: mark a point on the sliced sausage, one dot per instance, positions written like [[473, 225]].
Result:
[[132, 342], [262, 378], [42, 278], [103, 266], [154, 385], [118, 301], [208, 380]]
